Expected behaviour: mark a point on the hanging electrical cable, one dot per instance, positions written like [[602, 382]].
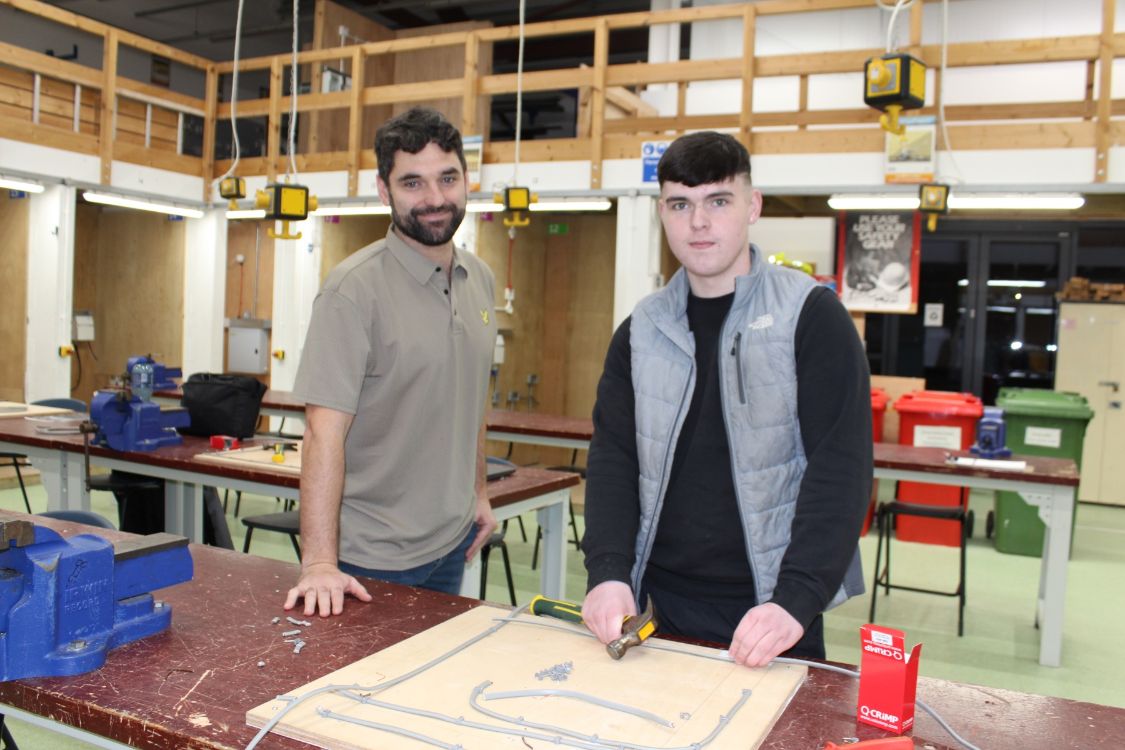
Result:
[[287, 202], [291, 174], [231, 187]]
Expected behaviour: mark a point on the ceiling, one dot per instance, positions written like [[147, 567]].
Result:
[[206, 27]]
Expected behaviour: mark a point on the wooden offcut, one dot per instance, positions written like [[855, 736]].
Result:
[[682, 686], [259, 457]]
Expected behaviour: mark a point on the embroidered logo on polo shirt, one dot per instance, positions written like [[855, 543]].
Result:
[[760, 322], [484, 315]]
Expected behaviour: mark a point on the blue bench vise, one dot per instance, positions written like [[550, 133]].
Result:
[[126, 422], [992, 435], [161, 375], [64, 603]]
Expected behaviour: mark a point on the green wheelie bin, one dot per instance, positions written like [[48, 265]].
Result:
[[1039, 423]]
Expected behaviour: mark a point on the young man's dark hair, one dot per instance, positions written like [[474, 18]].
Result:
[[702, 159], [411, 132]]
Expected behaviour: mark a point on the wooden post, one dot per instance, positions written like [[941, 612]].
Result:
[[1102, 136], [597, 103], [916, 13], [681, 98], [211, 104], [469, 103], [746, 114], [355, 121], [107, 127], [803, 99], [273, 127]]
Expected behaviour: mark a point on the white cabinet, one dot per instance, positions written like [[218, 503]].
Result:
[[1091, 361]]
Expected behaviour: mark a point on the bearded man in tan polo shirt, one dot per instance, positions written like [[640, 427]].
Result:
[[394, 372]]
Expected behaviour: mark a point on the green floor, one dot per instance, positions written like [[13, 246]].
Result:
[[1000, 646]]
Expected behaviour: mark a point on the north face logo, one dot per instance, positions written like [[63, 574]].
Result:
[[762, 321]]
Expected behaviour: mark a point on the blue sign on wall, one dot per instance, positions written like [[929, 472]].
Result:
[[651, 151]]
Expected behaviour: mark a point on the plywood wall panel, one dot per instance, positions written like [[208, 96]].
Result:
[[139, 280], [84, 366], [13, 301], [442, 63], [342, 238]]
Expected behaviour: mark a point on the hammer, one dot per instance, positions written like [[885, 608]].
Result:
[[634, 630]]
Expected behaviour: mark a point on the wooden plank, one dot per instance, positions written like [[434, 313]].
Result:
[[469, 119], [161, 97], [539, 80], [151, 157], [597, 104], [108, 121], [1103, 139], [64, 70], [631, 104], [207, 168], [97, 28], [273, 126], [802, 99], [631, 74], [46, 135], [746, 113], [749, 701], [548, 149], [370, 49], [413, 92], [355, 121]]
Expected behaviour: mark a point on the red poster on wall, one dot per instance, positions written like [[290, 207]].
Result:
[[878, 257]]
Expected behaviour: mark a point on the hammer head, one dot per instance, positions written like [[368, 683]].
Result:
[[634, 631]]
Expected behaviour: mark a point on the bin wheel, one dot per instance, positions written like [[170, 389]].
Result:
[[990, 524], [970, 521]]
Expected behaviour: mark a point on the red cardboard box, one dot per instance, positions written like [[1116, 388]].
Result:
[[888, 678]]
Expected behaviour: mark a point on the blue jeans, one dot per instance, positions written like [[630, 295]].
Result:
[[443, 574]]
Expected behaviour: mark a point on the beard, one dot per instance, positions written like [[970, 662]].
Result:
[[413, 227]]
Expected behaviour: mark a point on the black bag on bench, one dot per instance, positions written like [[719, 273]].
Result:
[[222, 404]]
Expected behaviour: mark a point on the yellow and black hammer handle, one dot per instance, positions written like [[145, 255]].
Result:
[[568, 611]]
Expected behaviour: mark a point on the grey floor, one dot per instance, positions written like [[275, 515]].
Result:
[[999, 648]]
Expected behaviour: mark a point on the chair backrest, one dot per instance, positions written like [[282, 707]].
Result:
[[79, 516], [62, 403]]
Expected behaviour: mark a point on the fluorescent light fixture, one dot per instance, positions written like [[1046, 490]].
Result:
[[484, 207], [1010, 283], [109, 199], [1016, 346], [247, 213], [374, 209], [598, 204], [885, 202], [1016, 202], [23, 185]]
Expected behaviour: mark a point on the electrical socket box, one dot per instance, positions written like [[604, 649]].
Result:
[[82, 328], [248, 350]]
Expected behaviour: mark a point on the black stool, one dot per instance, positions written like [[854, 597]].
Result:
[[288, 522], [573, 468], [885, 515], [496, 541]]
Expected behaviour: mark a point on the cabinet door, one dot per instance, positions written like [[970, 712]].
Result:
[[1091, 345]]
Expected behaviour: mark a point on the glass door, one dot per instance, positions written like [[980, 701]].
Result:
[[1017, 347]]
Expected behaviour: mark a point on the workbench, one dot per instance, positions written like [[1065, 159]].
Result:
[[60, 461], [191, 686]]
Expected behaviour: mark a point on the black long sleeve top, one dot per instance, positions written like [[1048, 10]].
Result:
[[700, 549]]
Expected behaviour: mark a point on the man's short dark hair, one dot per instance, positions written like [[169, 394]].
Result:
[[703, 158], [411, 132]]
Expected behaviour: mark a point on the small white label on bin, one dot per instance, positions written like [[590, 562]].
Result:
[[1044, 437], [929, 436]]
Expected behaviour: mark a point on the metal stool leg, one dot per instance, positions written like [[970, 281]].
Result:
[[246, 544], [508, 573], [23, 487]]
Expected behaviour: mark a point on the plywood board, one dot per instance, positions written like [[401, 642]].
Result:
[[13, 302], [10, 409], [677, 683], [259, 457]]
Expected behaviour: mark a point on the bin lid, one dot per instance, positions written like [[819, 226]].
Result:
[[878, 399], [946, 403], [1036, 402]]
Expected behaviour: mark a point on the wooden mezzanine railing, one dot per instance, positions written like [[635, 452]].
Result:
[[63, 104]]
